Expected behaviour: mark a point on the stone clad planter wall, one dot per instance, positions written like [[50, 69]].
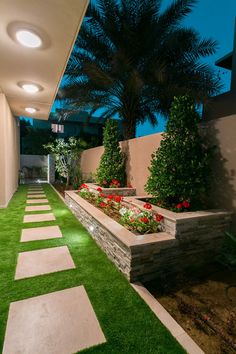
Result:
[[146, 256], [124, 191]]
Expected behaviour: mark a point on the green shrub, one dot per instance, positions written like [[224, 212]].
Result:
[[112, 164], [180, 168]]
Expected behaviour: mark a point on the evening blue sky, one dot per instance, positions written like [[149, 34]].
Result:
[[212, 19]]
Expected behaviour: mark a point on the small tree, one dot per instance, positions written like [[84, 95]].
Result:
[[180, 167], [67, 157], [112, 163]]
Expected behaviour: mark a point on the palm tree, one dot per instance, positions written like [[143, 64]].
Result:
[[131, 59]]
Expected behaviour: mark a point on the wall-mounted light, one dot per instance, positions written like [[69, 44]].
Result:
[[28, 38]]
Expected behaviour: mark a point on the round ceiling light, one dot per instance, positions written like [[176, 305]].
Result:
[[28, 38], [30, 110], [30, 88]]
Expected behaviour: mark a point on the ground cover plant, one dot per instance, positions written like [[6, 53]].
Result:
[[180, 168], [138, 220], [111, 170], [129, 326]]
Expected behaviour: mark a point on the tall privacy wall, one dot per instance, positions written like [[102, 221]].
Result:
[[9, 152], [138, 152], [220, 132]]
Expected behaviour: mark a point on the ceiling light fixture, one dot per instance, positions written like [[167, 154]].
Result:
[[30, 110], [28, 38], [30, 88]]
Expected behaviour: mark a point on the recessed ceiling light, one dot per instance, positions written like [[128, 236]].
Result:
[[28, 38], [30, 88], [30, 110]]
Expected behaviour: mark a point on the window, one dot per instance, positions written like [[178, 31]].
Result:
[[57, 128]]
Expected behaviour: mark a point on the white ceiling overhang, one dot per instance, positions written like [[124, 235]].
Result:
[[57, 22]]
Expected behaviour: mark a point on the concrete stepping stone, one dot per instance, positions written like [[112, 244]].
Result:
[[62, 322], [36, 192], [38, 208], [39, 217], [36, 201], [45, 261], [36, 196], [40, 233]]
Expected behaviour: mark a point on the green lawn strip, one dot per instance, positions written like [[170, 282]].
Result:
[[128, 324]]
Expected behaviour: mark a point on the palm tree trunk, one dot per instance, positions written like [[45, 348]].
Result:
[[129, 128]]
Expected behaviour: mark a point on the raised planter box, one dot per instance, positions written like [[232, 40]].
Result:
[[124, 191], [188, 240]]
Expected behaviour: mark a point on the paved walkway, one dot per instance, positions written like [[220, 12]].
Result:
[[61, 322]]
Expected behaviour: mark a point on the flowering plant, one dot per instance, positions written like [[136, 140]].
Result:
[[84, 192], [134, 219], [142, 221], [183, 205], [114, 184]]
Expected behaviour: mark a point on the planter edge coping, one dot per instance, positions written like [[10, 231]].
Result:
[[178, 217], [95, 186], [167, 320]]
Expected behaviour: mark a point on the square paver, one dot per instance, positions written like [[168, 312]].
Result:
[[36, 196], [39, 217], [36, 192], [38, 208], [62, 322], [40, 233], [39, 262], [36, 201]]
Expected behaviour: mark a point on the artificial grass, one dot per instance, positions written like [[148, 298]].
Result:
[[128, 324]]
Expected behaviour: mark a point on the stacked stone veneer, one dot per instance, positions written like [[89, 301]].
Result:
[[189, 239], [124, 191]]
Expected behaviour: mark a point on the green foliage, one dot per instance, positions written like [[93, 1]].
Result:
[[112, 163], [180, 167], [132, 57], [67, 158]]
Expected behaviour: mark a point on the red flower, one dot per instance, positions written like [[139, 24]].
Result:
[[147, 206], [114, 182], [83, 186], [102, 195], [131, 219], [99, 189], [117, 198], [110, 197], [186, 204], [144, 219], [103, 205], [179, 206], [158, 217]]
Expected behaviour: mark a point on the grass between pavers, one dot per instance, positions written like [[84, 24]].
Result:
[[128, 324]]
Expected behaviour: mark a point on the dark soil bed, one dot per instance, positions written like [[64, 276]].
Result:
[[61, 187], [204, 305]]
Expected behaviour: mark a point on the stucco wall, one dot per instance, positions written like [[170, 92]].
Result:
[[222, 133], [138, 152], [9, 152]]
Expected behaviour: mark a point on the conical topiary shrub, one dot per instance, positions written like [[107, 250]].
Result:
[[111, 170], [179, 172]]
